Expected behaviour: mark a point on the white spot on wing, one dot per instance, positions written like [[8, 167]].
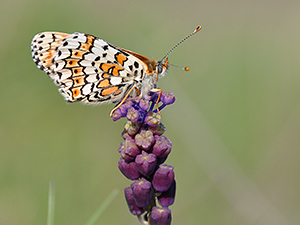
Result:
[[115, 80]]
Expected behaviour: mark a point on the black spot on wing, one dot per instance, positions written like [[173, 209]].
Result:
[[136, 64], [105, 47]]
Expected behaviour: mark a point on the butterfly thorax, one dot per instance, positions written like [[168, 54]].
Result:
[[153, 66], [155, 70]]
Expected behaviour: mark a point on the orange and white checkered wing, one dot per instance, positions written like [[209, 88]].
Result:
[[86, 68]]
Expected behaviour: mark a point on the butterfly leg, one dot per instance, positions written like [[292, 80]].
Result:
[[124, 99], [158, 98]]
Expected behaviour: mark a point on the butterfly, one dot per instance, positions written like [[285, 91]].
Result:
[[92, 71]]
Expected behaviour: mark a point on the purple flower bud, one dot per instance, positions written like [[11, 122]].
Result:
[[144, 104], [167, 98], [153, 119], [129, 170], [128, 103], [162, 146], [133, 115], [144, 139], [142, 192], [160, 216], [117, 114], [125, 134], [158, 130], [133, 208], [123, 109], [132, 128], [129, 150], [145, 163], [161, 160], [167, 198], [163, 178]]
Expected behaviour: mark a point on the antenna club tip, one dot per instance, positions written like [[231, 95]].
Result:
[[187, 68], [197, 29]]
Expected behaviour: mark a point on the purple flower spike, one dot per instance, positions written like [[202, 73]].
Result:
[[167, 198], [133, 115], [163, 178], [143, 151], [162, 146], [129, 170], [129, 150], [153, 119], [146, 163], [144, 139], [160, 216], [142, 192], [133, 208], [167, 98]]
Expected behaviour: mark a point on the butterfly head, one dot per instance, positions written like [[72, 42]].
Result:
[[162, 67]]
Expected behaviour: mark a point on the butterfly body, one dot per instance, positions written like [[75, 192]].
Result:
[[90, 70]]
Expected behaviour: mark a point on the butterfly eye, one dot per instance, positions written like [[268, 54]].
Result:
[[159, 69]]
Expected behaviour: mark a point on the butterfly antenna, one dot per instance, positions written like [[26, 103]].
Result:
[[190, 35], [179, 67]]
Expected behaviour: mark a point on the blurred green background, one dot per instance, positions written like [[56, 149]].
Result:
[[235, 126]]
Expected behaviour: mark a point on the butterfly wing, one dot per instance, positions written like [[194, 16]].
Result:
[[86, 68]]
